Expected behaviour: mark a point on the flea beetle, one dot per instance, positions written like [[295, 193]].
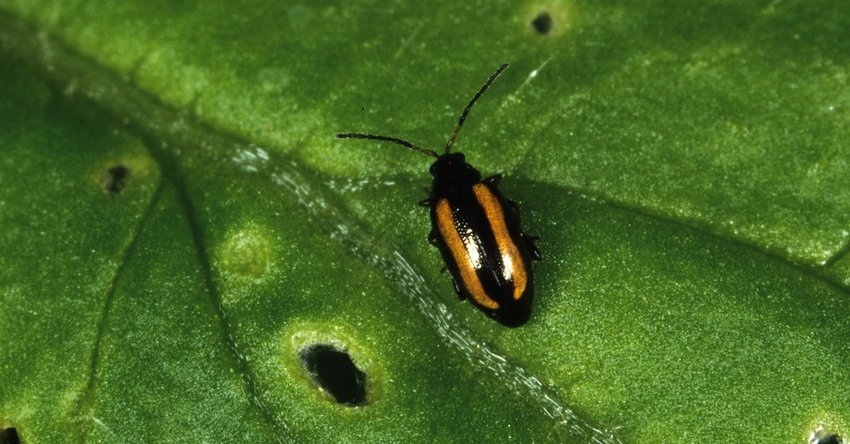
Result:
[[477, 230]]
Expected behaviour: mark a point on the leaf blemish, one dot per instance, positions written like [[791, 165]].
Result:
[[115, 179], [246, 252], [542, 24], [8, 435], [333, 371]]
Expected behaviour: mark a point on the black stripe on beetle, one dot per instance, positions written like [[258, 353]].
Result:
[[477, 230]]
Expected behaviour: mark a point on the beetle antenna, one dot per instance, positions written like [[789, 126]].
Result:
[[401, 142], [475, 98]]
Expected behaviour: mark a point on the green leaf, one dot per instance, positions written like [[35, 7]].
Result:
[[178, 226]]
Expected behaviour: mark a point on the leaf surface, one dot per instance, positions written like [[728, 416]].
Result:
[[684, 165]]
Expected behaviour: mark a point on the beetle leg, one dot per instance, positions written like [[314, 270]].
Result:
[[432, 238], [444, 269], [494, 179], [529, 242], [513, 207], [457, 290], [428, 201]]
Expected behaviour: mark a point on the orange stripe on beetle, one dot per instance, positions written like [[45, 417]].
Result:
[[513, 267], [460, 253]]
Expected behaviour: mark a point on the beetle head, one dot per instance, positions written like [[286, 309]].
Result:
[[451, 171]]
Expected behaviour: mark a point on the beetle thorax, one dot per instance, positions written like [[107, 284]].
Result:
[[451, 172]]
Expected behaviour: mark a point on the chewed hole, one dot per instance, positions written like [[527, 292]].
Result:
[[828, 439], [822, 435], [115, 179], [9, 435], [333, 371], [542, 23], [833, 439]]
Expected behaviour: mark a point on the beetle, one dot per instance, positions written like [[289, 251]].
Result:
[[477, 229]]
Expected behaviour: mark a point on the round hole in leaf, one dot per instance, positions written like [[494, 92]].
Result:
[[8, 435], [822, 435], [542, 23], [334, 372], [115, 178], [828, 439]]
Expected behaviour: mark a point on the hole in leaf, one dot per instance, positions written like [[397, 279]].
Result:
[[822, 435], [828, 439], [334, 371], [542, 23], [9, 435], [115, 179]]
